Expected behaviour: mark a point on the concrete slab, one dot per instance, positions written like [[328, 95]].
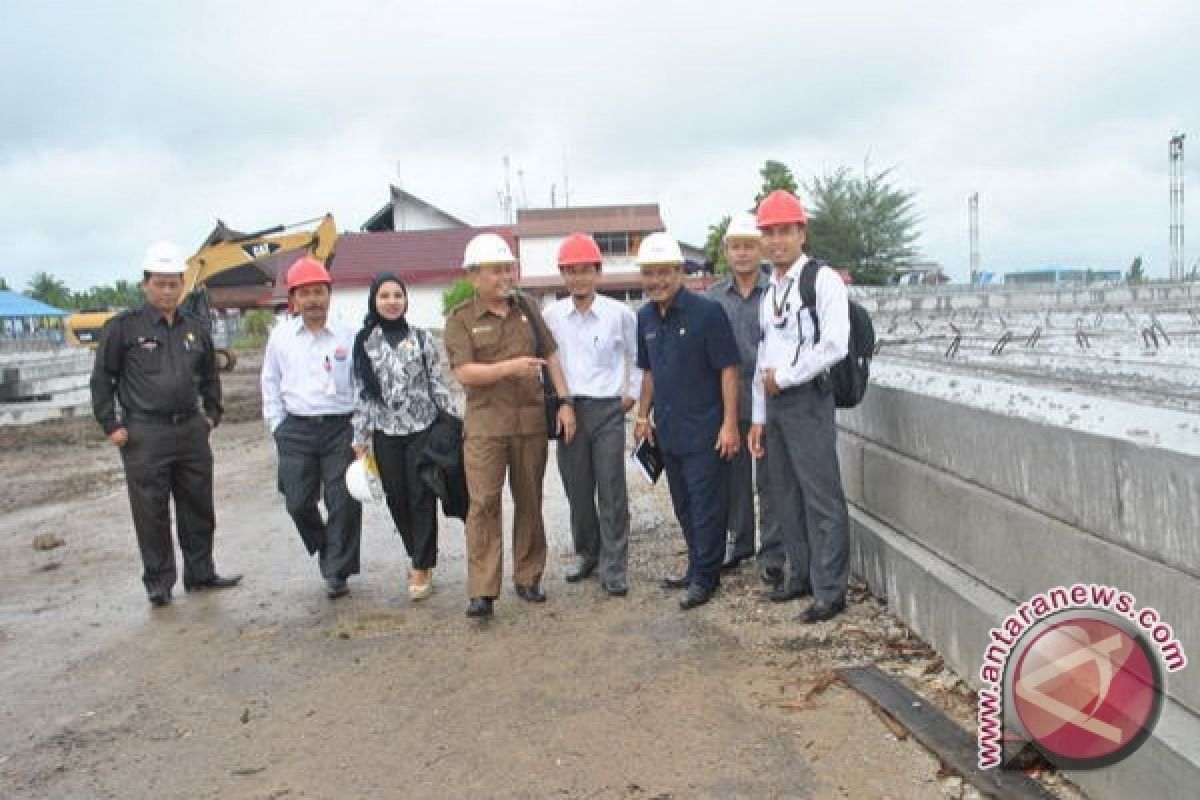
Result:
[[1016, 551], [1143, 498], [953, 611]]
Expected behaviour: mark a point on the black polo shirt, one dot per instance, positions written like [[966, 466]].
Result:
[[685, 351], [149, 365]]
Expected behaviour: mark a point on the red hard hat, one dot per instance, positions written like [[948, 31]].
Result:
[[307, 270], [779, 208], [579, 248]]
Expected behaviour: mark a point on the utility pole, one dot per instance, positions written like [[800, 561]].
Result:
[[973, 234], [506, 203], [1175, 161]]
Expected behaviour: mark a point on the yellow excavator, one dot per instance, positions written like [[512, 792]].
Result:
[[224, 250]]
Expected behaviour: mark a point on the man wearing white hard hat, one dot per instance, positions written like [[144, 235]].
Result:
[[689, 357], [502, 353], [156, 394], [740, 294]]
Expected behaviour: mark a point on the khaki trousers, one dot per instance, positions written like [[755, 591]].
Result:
[[486, 459]]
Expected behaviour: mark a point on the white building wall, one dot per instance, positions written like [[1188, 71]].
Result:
[[539, 256], [407, 216], [424, 306]]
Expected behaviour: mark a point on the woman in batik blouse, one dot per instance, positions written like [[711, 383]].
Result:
[[400, 386]]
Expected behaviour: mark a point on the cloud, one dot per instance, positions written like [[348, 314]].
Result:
[[137, 121]]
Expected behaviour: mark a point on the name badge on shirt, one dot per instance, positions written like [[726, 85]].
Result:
[[329, 388]]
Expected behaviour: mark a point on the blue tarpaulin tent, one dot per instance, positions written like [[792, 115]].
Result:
[[18, 305], [24, 318]]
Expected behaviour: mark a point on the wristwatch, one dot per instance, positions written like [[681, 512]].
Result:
[[567, 400]]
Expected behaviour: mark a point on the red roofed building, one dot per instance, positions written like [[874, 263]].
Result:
[[427, 261], [618, 230]]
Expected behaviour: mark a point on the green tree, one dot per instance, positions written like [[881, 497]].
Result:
[[4, 285], [1136, 274], [864, 224], [714, 246], [775, 175], [258, 322], [50, 290], [122, 294], [460, 290]]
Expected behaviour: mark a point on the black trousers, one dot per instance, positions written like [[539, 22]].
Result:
[[165, 462], [699, 484], [313, 455], [412, 503]]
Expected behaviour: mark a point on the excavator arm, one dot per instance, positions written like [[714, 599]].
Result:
[[238, 251]]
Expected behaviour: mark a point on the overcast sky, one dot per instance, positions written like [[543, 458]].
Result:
[[128, 122]]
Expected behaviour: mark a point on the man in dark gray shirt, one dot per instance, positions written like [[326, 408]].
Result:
[[740, 294], [152, 365]]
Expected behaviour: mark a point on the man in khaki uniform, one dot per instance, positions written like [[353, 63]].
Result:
[[492, 348]]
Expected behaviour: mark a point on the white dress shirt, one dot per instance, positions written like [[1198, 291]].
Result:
[[787, 332], [597, 347], [306, 373]]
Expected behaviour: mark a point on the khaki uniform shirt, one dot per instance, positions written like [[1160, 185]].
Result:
[[475, 335]]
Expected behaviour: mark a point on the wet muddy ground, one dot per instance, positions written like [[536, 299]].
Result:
[[274, 691]]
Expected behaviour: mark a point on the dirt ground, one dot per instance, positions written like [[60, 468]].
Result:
[[273, 691]]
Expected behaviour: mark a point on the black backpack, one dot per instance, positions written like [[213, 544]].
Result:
[[848, 378]]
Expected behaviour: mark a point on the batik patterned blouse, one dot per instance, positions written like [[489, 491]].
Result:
[[411, 395]]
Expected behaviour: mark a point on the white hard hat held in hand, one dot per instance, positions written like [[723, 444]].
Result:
[[362, 481]]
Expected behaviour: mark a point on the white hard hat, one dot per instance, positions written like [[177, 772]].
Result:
[[487, 248], [659, 248], [362, 481], [742, 225], [164, 257]]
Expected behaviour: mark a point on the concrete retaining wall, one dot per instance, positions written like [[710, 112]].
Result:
[[961, 514]]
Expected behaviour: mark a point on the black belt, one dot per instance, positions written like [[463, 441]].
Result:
[[162, 417], [807, 386], [583, 398], [317, 419]]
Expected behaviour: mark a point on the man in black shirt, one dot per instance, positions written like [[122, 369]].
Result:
[[151, 364]]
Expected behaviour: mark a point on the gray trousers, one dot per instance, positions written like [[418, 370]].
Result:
[[745, 478], [593, 466], [313, 455], [805, 486]]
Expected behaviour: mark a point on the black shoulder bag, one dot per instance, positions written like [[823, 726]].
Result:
[[552, 401]]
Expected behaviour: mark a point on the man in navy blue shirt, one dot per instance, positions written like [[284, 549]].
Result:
[[690, 358]]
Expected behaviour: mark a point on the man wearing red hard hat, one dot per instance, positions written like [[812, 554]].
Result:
[[597, 339], [793, 413], [308, 399]]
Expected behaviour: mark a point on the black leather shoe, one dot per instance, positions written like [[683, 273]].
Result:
[[771, 576], [782, 594], [581, 570], [821, 612], [479, 607], [696, 595], [531, 594], [336, 587], [215, 582], [616, 588], [159, 597], [673, 582]]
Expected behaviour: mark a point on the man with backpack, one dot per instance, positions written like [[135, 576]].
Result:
[[805, 323]]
